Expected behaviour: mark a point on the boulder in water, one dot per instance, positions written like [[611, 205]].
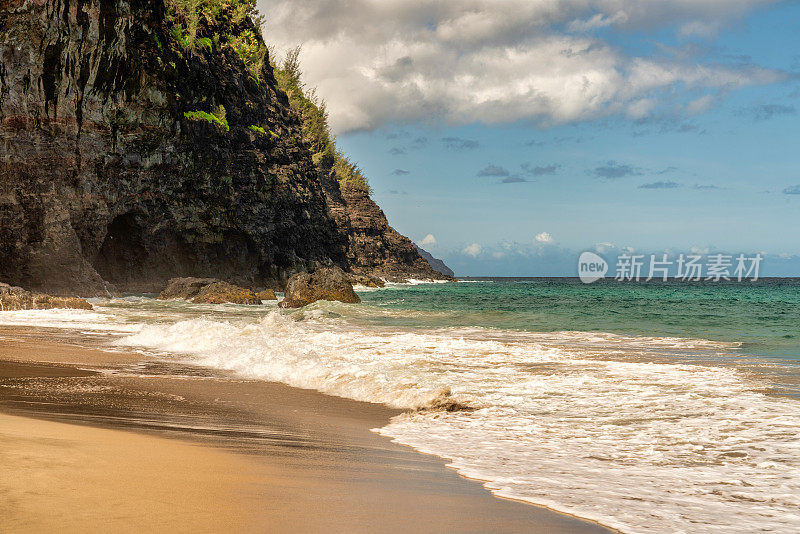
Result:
[[223, 292], [185, 288], [330, 283], [267, 294], [212, 291], [443, 401], [366, 280], [15, 298]]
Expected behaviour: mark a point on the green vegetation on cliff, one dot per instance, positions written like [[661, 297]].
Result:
[[218, 117], [211, 24], [316, 130]]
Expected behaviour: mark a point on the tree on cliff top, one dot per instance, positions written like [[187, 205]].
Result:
[[316, 129]]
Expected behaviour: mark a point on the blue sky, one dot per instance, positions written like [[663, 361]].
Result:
[[690, 142]]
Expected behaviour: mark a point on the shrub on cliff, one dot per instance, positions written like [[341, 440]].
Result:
[[213, 23], [251, 50], [218, 117]]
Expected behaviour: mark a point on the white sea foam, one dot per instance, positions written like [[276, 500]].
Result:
[[585, 423], [414, 282], [67, 319]]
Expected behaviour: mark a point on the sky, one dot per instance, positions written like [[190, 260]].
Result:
[[508, 136]]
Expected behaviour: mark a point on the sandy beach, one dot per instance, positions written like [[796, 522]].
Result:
[[95, 440]]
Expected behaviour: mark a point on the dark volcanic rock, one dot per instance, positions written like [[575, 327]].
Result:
[[323, 284], [106, 183], [223, 292], [105, 179], [444, 401], [16, 298], [366, 280], [435, 263], [184, 288], [375, 248], [211, 291], [267, 294]]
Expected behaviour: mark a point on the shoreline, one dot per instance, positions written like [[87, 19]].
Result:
[[265, 442]]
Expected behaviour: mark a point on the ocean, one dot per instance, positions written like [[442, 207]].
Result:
[[647, 407]]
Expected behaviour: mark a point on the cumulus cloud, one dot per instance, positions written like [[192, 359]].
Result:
[[416, 144], [660, 185], [792, 190], [699, 105], [419, 142], [598, 21], [766, 112], [544, 238], [604, 247], [540, 170], [494, 170], [667, 170], [473, 250], [428, 241], [498, 61], [457, 143], [613, 170], [687, 128], [513, 180], [399, 172]]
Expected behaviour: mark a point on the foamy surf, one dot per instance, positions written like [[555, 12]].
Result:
[[66, 319], [591, 424]]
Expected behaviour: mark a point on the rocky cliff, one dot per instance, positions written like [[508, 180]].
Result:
[[436, 264], [373, 247], [126, 160]]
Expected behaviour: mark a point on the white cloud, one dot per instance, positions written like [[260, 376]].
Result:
[[598, 21], [699, 105], [428, 241], [544, 237], [698, 28], [473, 250], [604, 247], [497, 60], [640, 108]]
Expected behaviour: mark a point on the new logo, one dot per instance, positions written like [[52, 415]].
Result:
[[591, 267]]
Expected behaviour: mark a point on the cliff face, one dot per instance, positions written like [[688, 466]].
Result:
[[104, 178], [374, 247], [436, 264]]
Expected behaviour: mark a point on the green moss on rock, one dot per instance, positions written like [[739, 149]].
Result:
[[218, 117]]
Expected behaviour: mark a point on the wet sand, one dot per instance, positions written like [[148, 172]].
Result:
[[92, 440]]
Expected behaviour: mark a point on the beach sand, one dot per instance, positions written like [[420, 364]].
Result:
[[146, 446]]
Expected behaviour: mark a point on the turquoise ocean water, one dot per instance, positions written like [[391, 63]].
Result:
[[763, 315]]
